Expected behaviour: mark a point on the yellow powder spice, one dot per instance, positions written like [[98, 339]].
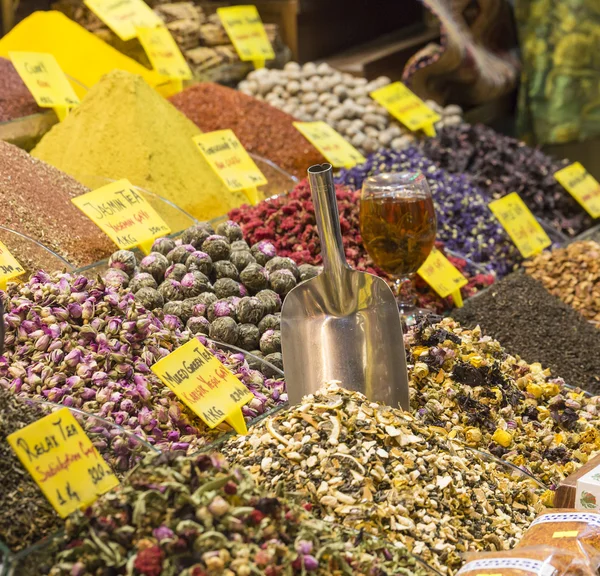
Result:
[[125, 129]]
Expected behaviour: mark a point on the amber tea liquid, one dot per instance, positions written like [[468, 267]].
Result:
[[398, 231]]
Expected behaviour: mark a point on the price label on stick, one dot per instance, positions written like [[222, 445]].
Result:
[[582, 186], [229, 159], [45, 80], [407, 107], [164, 54], [442, 276], [207, 387], [520, 224], [9, 266], [247, 33], [63, 461], [336, 149], [123, 16], [123, 214]]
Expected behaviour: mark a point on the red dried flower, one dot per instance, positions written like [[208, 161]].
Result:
[[149, 561], [255, 517]]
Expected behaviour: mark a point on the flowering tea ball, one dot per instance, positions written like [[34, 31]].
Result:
[[198, 325], [116, 278], [180, 254], [308, 271], [241, 258], [163, 245], [256, 363], [282, 263], [220, 309], [270, 322], [217, 247], [249, 337], [282, 281], [149, 298], [155, 264], [226, 269], [142, 280], [263, 251], [206, 298], [194, 283], [277, 360], [174, 308], [240, 245], [196, 235], [225, 287], [193, 307], [271, 301], [171, 290], [270, 342], [175, 272], [199, 261], [231, 230], [255, 277], [225, 330], [250, 310], [123, 260]]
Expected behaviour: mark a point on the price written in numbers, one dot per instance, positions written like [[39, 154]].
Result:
[[123, 17], [9, 266], [582, 186], [441, 275], [63, 461]]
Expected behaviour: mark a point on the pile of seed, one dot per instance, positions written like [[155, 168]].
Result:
[[262, 129], [16, 100], [81, 343], [377, 469], [314, 92], [36, 201], [499, 165], [529, 321], [469, 387], [573, 274], [194, 517], [216, 284]]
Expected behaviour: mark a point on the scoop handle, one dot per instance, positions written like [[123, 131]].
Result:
[[322, 187]]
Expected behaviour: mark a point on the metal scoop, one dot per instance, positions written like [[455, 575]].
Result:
[[342, 325]]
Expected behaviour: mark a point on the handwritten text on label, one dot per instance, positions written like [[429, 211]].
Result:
[[123, 16], [582, 186]]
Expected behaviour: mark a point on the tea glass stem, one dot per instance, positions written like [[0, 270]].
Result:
[[405, 295]]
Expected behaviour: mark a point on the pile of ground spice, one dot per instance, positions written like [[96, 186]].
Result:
[[125, 129], [532, 323], [261, 128], [36, 201], [15, 99]]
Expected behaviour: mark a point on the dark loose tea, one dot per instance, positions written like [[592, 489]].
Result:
[[16, 100], [529, 321]]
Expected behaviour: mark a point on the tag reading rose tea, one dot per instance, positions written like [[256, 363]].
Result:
[[407, 107], [247, 33], [63, 461], [206, 386], [442, 276], [9, 266], [582, 186], [164, 54], [123, 214], [123, 16], [520, 224], [336, 149]]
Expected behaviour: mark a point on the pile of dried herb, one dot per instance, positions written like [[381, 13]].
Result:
[[288, 222], [466, 385], [499, 164], [377, 469], [573, 274], [529, 321], [84, 344], [16, 100], [194, 517]]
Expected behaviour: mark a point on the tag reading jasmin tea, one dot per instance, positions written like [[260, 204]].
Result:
[[45, 80], [247, 33], [123, 16], [63, 461], [123, 214], [207, 387], [164, 54], [443, 276], [336, 149], [520, 224], [582, 186], [407, 107], [9, 266]]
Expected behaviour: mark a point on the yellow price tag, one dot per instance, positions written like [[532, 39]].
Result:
[[520, 224], [229, 159], [123, 16], [566, 534], [123, 214], [247, 33], [202, 383], [336, 149], [63, 461], [442, 276], [45, 80], [9, 266], [407, 107], [164, 54], [582, 186]]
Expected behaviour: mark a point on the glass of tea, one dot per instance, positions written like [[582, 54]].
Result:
[[398, 228]]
